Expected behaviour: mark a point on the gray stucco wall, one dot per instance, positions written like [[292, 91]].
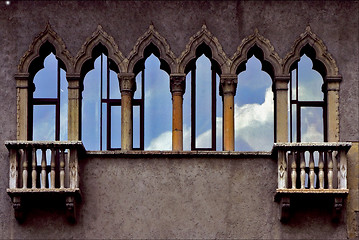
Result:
[[177, 198]]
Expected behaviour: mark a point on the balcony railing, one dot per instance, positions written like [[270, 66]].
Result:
[[43, 168], [311, 168]]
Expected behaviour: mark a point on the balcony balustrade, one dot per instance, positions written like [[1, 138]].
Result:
[[311, 169], [44, 168]]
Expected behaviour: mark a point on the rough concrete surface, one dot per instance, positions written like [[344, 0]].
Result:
[[179, 197]]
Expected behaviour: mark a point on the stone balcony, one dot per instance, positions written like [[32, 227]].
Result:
[[311, 170], [46, 169]]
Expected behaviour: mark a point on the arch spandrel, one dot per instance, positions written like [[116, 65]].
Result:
[[204, 36], [154, 37], [99, 36], [269, 54], [310, 38], [48, 35]]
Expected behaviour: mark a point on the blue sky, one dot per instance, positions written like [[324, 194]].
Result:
[[254, 117]]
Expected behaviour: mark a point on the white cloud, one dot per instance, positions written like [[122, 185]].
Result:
[[162, 142]]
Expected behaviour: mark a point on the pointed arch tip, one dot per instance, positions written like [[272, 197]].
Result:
[[269, 53], [308, 37], [33, 52], [151, 36], [99, 36], [203, 36]]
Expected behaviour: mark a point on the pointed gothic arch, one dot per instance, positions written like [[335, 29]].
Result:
[[152, 39], [97, 38], [56, 42], [204, 36], [256, 44], [311, 40]]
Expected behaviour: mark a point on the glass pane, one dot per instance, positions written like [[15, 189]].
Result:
[[254, 109], [115, 126], [44, 123], [203, 103], [138, 92], [136, 127], [91, 108], [219, 119], [104, 126], [115, 92], [63, 105], [294, 84], [104, 75], [45, 80], [187, 115], [312, 124], [310, 81], [294, 123], [158, 107]]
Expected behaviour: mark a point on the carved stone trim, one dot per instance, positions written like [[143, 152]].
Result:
[[204, 36], [264, 44], [154, 37], [99, 36], [308, 37], [127, 82], [228, 84], [33, 52], [281, 82], [178, 83]]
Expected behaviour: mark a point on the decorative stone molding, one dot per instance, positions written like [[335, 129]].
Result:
[[308, 37], [99, 36], [204, 36], [154, 37], [270, 55], [178, 83], [228, 84], [127, 82], [281, 82], [34, 50]]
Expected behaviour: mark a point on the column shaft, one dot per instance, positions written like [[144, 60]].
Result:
[[74, 107], [22, 92], [281, 88], [177, 89]]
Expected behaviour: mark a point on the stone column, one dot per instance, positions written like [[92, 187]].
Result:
[[332, 93], [74, 106], [22, 97], [281, 108], [228, 87], [127, 87], [177, 86]]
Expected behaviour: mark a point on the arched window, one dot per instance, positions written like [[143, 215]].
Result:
[[254, 103], [307, 101], [254, 109], [202, 106], [48, 104], [152, 105], [101, 103]]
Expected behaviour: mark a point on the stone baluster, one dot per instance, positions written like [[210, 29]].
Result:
[[13, 183], [52, 172], [282, 170], [34, 164], [24, 168], [302, 170], [73, 168], [294, 170], [43, 168], [62, 168], [330, 170], [311, 169], [342, 170], [321, 170]]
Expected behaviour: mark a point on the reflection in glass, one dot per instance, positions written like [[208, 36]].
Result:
[[44, 123], [254, 109], [116, 126], [46, 79]]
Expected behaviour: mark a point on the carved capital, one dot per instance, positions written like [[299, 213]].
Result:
[[74, 81], [22, 80], [281, 82], [178, 83], [332, 83], [228, 85], [127, 83]]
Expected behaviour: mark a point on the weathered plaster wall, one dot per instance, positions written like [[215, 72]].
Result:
[[177, 198]]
